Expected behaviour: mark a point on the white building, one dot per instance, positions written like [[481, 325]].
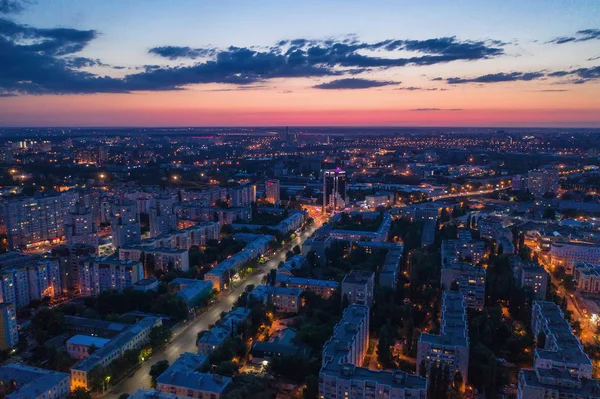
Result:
[[358, 286], [80, 227], [9, 332], [451, 347], [341, 374], [565, 254], [284, 299], [183, 379], [78, 346], [34, 383], [97, 275]]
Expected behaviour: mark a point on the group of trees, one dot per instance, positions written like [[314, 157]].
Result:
[[100, 376], [440, 384], [111, 303]]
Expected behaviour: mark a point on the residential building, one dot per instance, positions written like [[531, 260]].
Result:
[[133, 337], [587, 277], [451, 346], [561, 369], [471, 251], [380, 198], [358, 286], [341, 374], [530, 276], [69, 261], [279, 344], [296, 262], [34, 383], [161, 216], [78, 346], [224, 271], [147, 284], [31, 221], [272, 191], [323, 288], [470, 281], [542, 181], [562, 349], [184, 379], [9, 332], [80, 227], [284, 299], [192, 291], [565, 254], [388, 275], [125, 223], [380, 235], [319, 245], [223, 329], [97, 275]]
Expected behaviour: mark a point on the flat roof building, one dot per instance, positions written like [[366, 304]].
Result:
[[451, 347]]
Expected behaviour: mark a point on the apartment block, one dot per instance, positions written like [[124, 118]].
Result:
[[341, 374], [470, 281], [451, 346], [358, 286]]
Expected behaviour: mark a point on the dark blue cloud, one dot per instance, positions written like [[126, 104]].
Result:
[[353, 84], [175, 52], [40, 61], [583, 35], [578, 76], [414, 88], [498, 77]]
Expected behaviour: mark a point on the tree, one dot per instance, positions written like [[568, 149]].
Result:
[[549, 213], [47, 323], [272, 277], [227, 368], [157, 369], [92, 348], [79, 393], [384, 346], [159, 336]]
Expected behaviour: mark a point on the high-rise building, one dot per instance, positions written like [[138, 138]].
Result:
[[542, 181], [9, 333], [39, 219], [109, 273], [272, 191], [80, 227], [125, 223], [334, 189], [561, 369], [341, 374], [162, 217], [470, 281], [69, 260], [357, 287], [451, 347]]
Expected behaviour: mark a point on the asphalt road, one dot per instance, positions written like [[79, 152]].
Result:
[[184, 339]]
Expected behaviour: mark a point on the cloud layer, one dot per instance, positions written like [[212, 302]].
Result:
[[580, 36], [46, 61], [353, 84]]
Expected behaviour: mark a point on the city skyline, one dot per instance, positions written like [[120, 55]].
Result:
[[67, 63]]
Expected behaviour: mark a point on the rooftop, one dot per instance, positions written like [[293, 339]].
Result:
[[87, 340], [31, 381]]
